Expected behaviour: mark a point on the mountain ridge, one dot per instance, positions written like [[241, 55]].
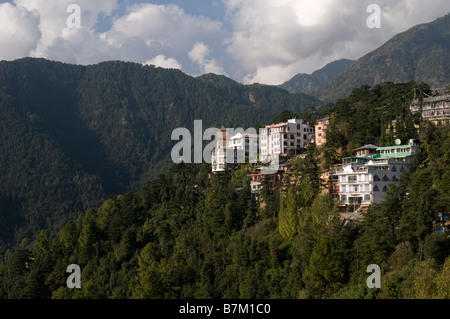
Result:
[[419, 54], [309, 83]]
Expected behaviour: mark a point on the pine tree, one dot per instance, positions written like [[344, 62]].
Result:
[[288, 215], [325, 271]]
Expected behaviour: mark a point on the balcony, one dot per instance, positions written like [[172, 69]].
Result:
[[359, 181], [338, 168], [427, 115], [359, 191]]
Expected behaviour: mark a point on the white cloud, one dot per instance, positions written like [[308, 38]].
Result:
[[19, 31], [161, 61], [79, 46], [259, 41], [53, 18], [145, 32], [401, 15], [200, 54], [166, 30], [273, 40]]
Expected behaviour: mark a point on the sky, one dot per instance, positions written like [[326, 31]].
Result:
[[263, 41]]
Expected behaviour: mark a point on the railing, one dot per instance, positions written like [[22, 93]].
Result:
[[359, 191], [364, 181], [436, 116], [438, 105]]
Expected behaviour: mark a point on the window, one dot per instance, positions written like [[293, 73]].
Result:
[[385, 178], [352, 178], [402, 169], [367, 198], [394, 179], [385, 189], [394, 169], [376, 189], [343, 198], [376, 178]]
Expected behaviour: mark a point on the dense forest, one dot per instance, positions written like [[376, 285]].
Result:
[[192, 234], [72, 136]]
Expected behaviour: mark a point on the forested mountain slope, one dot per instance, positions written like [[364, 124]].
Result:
[[192, 234], [72, 136]]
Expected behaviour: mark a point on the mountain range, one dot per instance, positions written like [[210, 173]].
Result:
[[420, 54]]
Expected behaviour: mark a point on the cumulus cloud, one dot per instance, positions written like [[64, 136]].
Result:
[[200, 54], [273, 40], [276, 39], [53, 19], [144, 33], [257, 41], [161, 61], [19, 31], [166, 30]]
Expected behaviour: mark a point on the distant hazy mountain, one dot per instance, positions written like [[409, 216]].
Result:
[[309, 83], [420, 54]]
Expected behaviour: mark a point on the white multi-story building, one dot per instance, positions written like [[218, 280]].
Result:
[[365, 178], [284, 139], [233, 149], [244, 146], [219, 152]]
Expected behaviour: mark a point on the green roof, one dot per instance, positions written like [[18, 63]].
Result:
[[392, 155], [392, 147]]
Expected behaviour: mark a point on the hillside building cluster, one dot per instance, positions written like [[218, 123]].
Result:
[[365, 178], [358, 182], [276, 141]]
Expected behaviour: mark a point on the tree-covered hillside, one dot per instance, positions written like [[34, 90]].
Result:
[[192, 234], [72, 136]]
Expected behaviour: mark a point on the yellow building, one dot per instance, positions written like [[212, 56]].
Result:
[[321, 131]]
